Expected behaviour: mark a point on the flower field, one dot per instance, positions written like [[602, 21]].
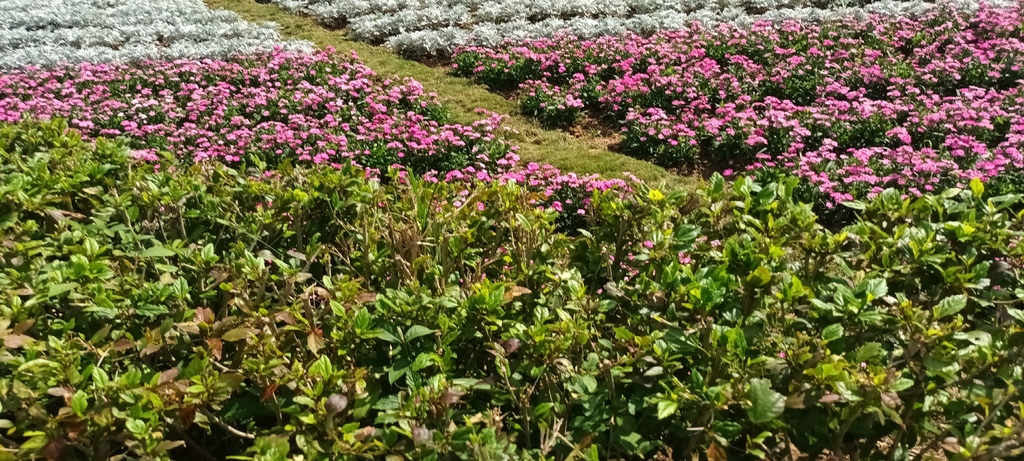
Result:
[[265, 105], [850, 107], [217, 242], [37, 32], [319, 108], [426, 28]]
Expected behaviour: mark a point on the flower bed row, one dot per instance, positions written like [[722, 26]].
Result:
[[427, 28], [48, 32], [851, 107], [264, 109]]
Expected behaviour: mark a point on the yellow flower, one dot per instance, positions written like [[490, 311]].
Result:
[[656, 195]]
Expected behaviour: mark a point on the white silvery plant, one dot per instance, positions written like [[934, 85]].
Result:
[[436, 27], [52, 32], [378, 27]]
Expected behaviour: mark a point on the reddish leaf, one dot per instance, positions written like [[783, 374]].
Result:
[[150, 349], [365, 433], [16, 341], [23, 326], [188, 327], [216, 347], [268, 392], [168, 445], [421, 435], [516, 291], [951, 444], [122, 345], [73, 428], [830, 398], [315, 340], [452, 396], [204, 315], [364, 298], [187, 415], [796, 401], [167, 376], [59, 391], [285, 317], [510, 345], [53, 450], [891, 400], [238, 334]]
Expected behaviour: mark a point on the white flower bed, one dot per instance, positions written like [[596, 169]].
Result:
[[51, 32], [432, 27]]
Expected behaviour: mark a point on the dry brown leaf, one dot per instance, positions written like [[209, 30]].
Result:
[[716, 453], [515, 292]]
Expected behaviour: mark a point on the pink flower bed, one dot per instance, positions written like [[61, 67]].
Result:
[[264, 109], [306, 107], [851, 107]]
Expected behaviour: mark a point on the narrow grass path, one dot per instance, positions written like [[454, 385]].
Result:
[[583, 156]]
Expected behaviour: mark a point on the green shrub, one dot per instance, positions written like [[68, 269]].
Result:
[[201, 312]]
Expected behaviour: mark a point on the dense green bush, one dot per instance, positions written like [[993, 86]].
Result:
[[200, 312]]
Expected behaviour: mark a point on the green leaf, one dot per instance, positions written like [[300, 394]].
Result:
[[237, 334], [977, 187], [832, 332], [765, 403], [901, 384], [717, 184], [36, 363], [737, 341], [156, 252], [977, 337], [34, 444], [384, 335], [322, 367], [100, 377], [136, 426], [589, 383], [876, 288], [667, 408], [417, 331], [398, 370], [79, 402], [231, 380], [856, 205], [950, 306], [760, 276], [57, 290], [867, 351], [8, 220]]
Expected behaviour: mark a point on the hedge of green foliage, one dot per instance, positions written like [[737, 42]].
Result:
[[204, 312]]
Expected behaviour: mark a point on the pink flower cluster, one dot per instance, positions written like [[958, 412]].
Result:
[[851, 107], [566, 193], [554, 105], [319, 108]]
